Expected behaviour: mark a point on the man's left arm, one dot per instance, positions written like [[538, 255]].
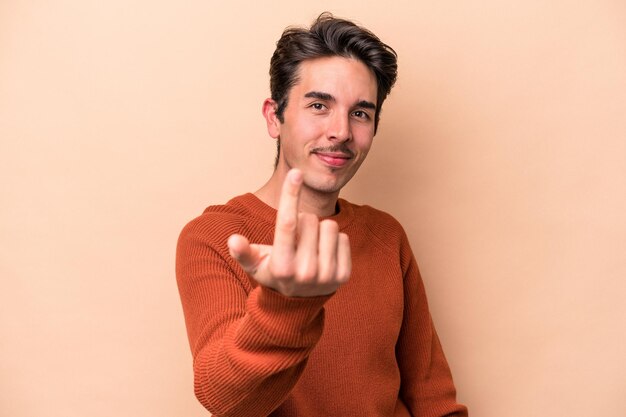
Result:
[[427, 388]]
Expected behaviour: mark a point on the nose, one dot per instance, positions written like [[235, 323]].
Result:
[[339, 127]]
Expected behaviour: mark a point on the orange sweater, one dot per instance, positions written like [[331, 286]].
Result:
[[370, 349]]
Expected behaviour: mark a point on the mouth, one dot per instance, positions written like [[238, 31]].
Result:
[[334, 159]]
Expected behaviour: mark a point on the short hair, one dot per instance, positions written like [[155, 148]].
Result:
[[330, 36]]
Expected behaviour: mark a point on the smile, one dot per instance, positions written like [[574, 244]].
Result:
[[334, 159]]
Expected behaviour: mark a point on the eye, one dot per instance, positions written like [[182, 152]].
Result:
[[361, 115], [318, 106]]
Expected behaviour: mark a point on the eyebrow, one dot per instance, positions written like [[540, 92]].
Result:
[[320, 96], [329, 97], [366, 104]]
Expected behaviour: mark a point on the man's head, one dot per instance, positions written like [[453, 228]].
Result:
[[328, 84], [329, 36]]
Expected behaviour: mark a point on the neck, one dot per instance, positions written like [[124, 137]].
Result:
[[311, 201]]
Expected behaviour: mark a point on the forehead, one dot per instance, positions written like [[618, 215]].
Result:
[[341, 77]]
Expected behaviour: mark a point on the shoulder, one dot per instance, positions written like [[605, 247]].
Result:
[[216, 224], [214, 219], [380, 229], [377, 220], [380, 224]]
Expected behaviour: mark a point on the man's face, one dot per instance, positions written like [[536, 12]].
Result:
[[328, 122]]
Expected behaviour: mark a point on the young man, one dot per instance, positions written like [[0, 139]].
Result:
[[298, 303]]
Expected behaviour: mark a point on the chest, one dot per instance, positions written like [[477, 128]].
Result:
[[369, 308]]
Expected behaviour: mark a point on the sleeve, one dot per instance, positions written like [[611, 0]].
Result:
[[249, 346], [427, 388]]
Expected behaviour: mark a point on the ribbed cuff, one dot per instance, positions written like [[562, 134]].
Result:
[[287, 321]]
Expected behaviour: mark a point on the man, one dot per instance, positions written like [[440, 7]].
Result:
[[298, 303]]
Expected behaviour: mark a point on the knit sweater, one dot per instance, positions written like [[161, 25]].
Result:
[[369, 349]]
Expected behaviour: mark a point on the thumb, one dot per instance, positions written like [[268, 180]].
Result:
[[247, 255]]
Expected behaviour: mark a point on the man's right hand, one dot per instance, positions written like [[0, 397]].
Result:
[[308, 258]]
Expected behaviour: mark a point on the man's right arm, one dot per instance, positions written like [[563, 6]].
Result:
[[249, 345]]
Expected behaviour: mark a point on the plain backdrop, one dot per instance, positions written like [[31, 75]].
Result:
[[502, 150]]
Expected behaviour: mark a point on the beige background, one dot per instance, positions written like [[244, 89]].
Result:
[[502, 150]]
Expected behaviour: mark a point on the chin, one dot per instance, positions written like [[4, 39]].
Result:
[[326, 185], [325, 189]]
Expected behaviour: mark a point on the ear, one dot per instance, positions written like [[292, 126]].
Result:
[[269, 112]]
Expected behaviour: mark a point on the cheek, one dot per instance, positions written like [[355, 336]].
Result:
[[309, 126], [363, 139], [305, 130]]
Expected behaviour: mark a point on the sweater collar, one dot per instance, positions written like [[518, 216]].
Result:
[[267, 213]]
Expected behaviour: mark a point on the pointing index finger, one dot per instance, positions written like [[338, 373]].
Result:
[[287, 215]]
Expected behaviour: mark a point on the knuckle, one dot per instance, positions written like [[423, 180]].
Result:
[[280, 270], [343, 277], [306, 274], [287, 224], [344, 270], [343, 280], [327, 272], [309, 219], [329, 226]]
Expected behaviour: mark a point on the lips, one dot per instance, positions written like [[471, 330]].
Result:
[[334, 159]]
